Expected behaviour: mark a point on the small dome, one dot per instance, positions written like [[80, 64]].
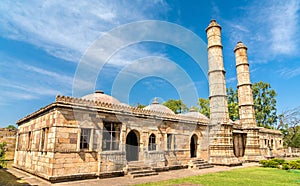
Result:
[[194, 114], [155, 106], [99, 95]]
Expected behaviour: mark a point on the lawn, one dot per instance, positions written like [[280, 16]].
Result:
[[7, 178], [245, 176]]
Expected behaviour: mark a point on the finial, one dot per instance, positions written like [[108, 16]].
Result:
[[192, 109], [99, 91], [213, 23], [155, 101], [240, 45]]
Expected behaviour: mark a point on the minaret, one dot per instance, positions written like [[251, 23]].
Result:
[[216, 75], [246, 104], [220, 129], [245, 97]]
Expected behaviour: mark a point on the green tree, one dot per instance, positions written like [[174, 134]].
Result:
[[177, 106], [264, 104], [233, 106], [289, 124], [204, 107], [11, 127], [264, 98], [2, 155], [140, 105]]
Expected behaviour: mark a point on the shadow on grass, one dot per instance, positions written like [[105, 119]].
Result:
[[7, 179]]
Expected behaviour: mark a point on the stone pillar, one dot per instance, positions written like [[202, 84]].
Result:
[[246, 104], [216, 75], [220, 129]]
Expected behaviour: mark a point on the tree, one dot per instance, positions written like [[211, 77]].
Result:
[[204, 107], [11, 127], [289, 124], [264, 104], [140, 105], [2, 155], [177, 106], [233, 106]]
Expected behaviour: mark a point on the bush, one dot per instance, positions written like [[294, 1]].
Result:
[[280, 161], [285, 166], [273, 163], [295, 164]]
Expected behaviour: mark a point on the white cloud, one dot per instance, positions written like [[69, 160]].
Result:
[[65, 29], [289, 72], [268, 28], [22, 81]]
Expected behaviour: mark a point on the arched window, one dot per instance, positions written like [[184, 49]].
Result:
[[152, 145]]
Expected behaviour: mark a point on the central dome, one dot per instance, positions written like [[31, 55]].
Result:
[[99, 95], [194, 114], [155, 106]]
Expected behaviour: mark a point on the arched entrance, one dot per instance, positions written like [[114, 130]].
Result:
[[132, 147], [193, 146]]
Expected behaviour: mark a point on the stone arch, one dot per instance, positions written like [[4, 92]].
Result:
[[193, 145], [152, 142], [132, 145]]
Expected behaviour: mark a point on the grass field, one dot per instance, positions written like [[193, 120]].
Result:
[[245, 176]]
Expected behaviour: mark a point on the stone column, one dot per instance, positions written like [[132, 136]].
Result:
[[246, 104], [216, 75], [220, 129]]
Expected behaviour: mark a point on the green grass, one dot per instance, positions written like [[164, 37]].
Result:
[[7, 178], [245, 176]]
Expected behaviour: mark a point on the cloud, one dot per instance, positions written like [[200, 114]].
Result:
[[288, 73], [65, 29], [231, 80], [268, 28], [23, 81]]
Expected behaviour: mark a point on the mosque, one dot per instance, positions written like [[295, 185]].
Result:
[[98, 136]]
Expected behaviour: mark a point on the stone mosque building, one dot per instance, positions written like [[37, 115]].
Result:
[[97, 136]]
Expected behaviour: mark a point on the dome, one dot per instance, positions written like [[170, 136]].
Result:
[[99, 95], [194, 114], [155, 106]]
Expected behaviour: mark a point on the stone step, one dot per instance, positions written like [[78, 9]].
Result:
[[136, 163], [198, 161], [137, 168], [141, 171], [200, 164], [204, 166], [144, 174]]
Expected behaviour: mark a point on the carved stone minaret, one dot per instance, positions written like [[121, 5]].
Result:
[[246, 104], [220, 129], [216, 75], [245, 97]]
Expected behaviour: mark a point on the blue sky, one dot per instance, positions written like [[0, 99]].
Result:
[[43, 42]]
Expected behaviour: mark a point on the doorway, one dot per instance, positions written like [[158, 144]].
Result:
[[239, 144], [132, 147], [193, 146]]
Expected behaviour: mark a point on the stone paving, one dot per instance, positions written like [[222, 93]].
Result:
[[123, 181]]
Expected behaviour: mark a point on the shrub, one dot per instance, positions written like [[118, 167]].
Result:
[[273, 163], [280, 161], [295, 164], [285, 166]]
